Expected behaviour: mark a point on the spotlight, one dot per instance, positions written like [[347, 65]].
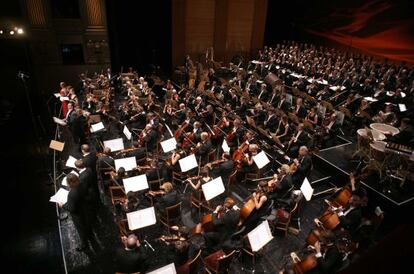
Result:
[[1, 31], [20, 31], [12, 32]]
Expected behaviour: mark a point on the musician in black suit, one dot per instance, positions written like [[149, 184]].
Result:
[[105, 160], [283, 104], [350, 218], [169, 197], [76, 207], [224, 169], [151, 138], [300, 110], [263, 93], [132, 257], [329, 257], [331, 129], [281, 183], [299, 138], [204, 146], [270, 122], [304, 166], [241, 111], [89, 158], [225, 220]]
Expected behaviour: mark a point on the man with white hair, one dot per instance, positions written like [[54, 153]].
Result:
[[204, 146], [303, 164]]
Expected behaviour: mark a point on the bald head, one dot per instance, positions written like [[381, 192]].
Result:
[[85, 148], [131, 242], [79, 164]]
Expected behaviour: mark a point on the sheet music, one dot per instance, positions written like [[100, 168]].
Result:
[[96, 127], [260, 236], [63, 98], [306, 189], [213, 188], [168, 269], [188, 163], [169, 145], [261, 159], [127, 133], [402, 107], [114, 144], [128, 163], [225, 146], [60, 197], [70, 162], [141, 218], [135, 183], [59, 121]]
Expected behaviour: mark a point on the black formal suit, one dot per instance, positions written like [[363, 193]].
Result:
[[225, 226], [78, 211], [329, 263], [283, 105], [151, 139], [303, 170], [167, 200], [301, 112], [87, 185], [282, 189], [242, 110], [271, 123], [204, 149], [351, 220], [90, 161], [263, 95], [272, 99], [224, 170], [131, 261], [404, 137]]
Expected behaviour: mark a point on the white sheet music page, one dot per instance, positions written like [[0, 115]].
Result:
[[260, 236], [169, 145], [168, 269], [225, 146], [402, 107], [261, 159], [127, 133], [128, 163], [213, 188], [135, 183], [60, 197], [96, 127], [70, 162], [141, 218], [114, 144], [188, 163], [306, 189]]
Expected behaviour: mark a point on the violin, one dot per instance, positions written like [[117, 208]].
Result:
[[181, 129], [214, 163]]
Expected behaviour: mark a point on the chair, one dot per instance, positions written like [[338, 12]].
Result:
[[218, 262], [171, 214], [123, 228], [154, 185], [283, 225], [117, 194], [191, 267]]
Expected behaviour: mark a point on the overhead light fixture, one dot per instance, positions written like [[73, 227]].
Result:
[[12, 32], [1, 31], [20, 31]]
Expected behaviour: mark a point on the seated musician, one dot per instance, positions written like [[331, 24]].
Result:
[[137, 151], [283, 130], [281, 183], [312, 117], [195, 132], [181, 114], [242, 109], [387, 116], [330, 129], [204, 146], [261, 201], [270, 122], [149, 138], [131, 258], [303, 164], [263, 93], [300, 110], [328, 255], [235, 136], [153, 120], [105, 159], [300, 138], [169, 197], [350, 217], [209, 117], [225, 221], [283, 104], [197, 181], [406, 134], [223, 168], [171, 164]]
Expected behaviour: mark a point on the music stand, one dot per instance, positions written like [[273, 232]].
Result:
[[141, 218], [168, 269], [135, 183], [128, 163], [306, 189], [213, 188], [114, 144]]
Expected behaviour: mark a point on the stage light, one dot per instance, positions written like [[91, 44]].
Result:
[[20, 31], [1, 31], [12, 32]]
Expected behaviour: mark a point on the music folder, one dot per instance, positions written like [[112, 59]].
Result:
[[261, 159], [127, 133], [225, 146], [56, 145], [141, 218], [114, 144], [213, 188], [128, 163], [70, 162], [169, 145], [306, 189], [60, 197], [260, 236], [168, 269], [135, 183], [188, 163]]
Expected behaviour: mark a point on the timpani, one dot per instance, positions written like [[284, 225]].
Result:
[[384, 128]]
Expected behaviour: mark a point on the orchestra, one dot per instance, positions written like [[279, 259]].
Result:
[[245, 114]]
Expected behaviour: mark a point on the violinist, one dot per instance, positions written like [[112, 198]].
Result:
[[148, 138], [204, 146], [223, 167], [152, 120], [225, 220], [303, 166], [209, 117], [235, 136], [283, 104], [281, 183], [171, 164], [197, 181], [167, 196]]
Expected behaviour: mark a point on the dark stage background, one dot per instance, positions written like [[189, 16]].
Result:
[[379, 27], [140, 34]]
